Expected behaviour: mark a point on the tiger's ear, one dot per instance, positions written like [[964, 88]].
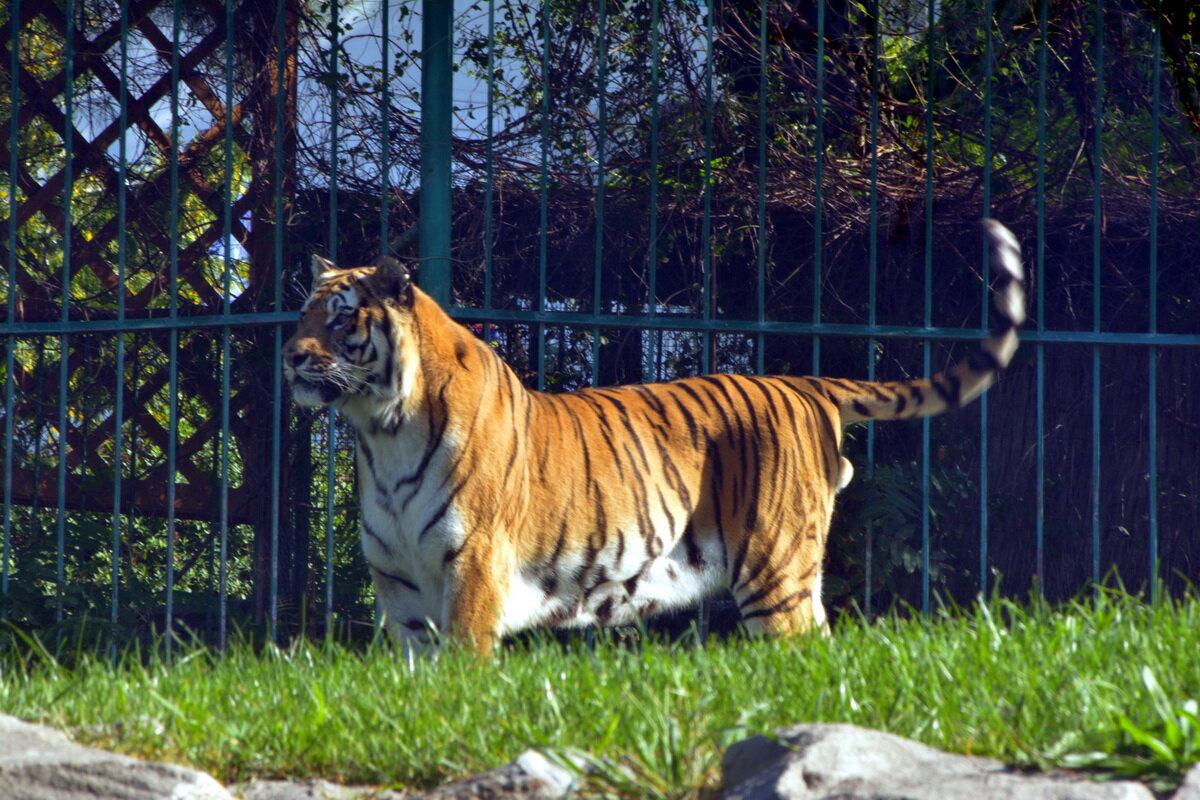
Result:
[[319, 267], [392, 280]]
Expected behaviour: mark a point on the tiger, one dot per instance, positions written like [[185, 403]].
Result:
[[488, 508]]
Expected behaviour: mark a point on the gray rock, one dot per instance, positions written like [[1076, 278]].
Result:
[[530, 777], [309, 790], [38, 763], [824, 762], [1190, 788]]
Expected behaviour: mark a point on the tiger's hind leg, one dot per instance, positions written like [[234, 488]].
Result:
[[778, 584], [786, 606]]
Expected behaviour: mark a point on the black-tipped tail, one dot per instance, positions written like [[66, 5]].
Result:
[[966, 380]]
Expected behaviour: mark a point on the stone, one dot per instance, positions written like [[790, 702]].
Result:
[[38, 763], [309, 790], [529, 777], [1190, 788], [824, 762]]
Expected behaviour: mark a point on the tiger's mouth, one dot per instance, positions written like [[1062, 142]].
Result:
[[313, 393]]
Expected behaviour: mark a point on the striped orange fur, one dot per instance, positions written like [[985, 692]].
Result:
[[488, 508]]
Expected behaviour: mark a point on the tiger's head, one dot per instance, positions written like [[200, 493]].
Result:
[[348, 344]]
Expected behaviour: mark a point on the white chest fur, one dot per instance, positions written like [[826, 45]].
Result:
[[409, 523]]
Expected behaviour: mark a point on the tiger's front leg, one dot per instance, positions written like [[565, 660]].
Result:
[[405, 616], [477, 585]]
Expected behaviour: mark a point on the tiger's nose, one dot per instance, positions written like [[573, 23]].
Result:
[[293, 356]]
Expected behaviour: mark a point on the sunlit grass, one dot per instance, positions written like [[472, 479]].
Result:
[[1030, 686]]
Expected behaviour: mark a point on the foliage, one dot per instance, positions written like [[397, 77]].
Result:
[[886, 504]]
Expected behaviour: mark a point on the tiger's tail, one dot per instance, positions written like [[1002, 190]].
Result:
[[967, 379]]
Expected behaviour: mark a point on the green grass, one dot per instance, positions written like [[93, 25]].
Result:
[[1109, 684]]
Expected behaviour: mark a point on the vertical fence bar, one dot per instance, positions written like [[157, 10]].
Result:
[[122, 260], [1152, 365], [1040, 284], [278, 419], [60, 537], [601, 122], [985, 268], [173, 336], [385, 144], [436, 115], [385, 151], [706, 291], [226, 339], [655, 338], [490, 168], [331, 412], [543, 198], [760, 293], [818, 186], [10, 342], [927, 316], [1097, 233], [872, 278]]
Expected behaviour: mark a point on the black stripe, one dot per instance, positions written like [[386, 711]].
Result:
[[786, 392], [407, 584], [751, 457], [955, 389], [983, 361], [577, 426], [651, 399], [642, 497], [600, 514], [607, 434], [436, 433], [762, 591], [598, 580], [383, 496], [561, 541], [768, 398], [754, 571], [738, 559], [843, 383], [604, 612], [785, 605], [441, 511], [662, 501], [674, 480], [945, 393], [831, 435], [695, 557], [685, 412], [518, 433], [369, 531], [623, 414]]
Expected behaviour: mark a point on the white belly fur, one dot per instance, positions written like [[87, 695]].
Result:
[[666, 582]]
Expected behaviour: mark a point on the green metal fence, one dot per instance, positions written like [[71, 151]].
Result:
[[606, 192]]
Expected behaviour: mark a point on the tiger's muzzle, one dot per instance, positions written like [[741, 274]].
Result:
[[311, 374]]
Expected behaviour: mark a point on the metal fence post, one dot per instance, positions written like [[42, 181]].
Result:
[[436, 83]]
